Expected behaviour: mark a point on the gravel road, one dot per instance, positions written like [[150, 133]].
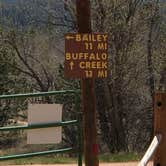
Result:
[[101, 164]]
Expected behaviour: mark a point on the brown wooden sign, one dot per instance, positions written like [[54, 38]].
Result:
[[86, 55]]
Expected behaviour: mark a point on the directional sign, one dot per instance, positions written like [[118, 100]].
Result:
[[86, 55]]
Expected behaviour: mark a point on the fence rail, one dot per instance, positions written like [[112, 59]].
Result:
[[37, 126], [19, 156], [38, 94]]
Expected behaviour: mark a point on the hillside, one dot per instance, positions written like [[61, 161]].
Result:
[[21, 13]]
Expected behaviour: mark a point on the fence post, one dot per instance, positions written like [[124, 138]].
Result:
[[160, 127]]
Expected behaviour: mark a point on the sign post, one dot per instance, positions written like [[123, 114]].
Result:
[[86, 58], [88, 91]]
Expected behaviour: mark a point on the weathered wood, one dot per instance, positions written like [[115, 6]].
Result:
[[90, 131], [160, 127], [88, 92]]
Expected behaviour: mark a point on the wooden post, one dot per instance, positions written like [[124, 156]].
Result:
[[88, 92], [160, 127]]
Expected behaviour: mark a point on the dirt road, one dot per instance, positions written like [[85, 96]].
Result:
[[101, 164]]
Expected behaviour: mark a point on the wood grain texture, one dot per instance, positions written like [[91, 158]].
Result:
[[160, 127]]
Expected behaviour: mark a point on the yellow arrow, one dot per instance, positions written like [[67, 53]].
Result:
[[71, 65], [69, 37]]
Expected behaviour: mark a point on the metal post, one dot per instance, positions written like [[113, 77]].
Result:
[[160, 127], [88, 92]]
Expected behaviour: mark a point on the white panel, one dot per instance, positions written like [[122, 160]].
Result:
[[44, 113]]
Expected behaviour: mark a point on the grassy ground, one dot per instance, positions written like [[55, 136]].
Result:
[[120, 157], [52, 159]]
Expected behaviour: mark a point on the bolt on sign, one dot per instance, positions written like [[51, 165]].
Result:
[[86, 55]]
